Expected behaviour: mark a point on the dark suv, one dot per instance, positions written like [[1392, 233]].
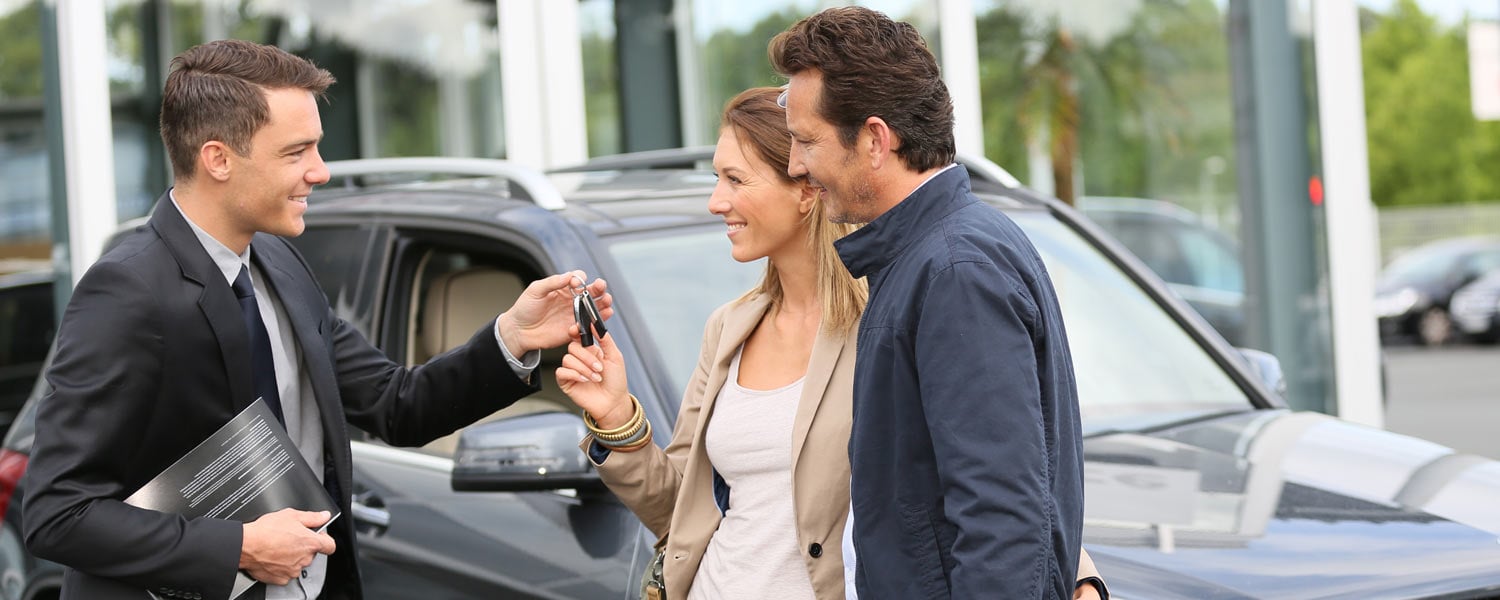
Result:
[[27, 325], [1200, 485]]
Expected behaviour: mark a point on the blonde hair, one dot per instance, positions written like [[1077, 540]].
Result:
[[759, 123]]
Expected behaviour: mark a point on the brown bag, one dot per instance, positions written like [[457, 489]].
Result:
[[653, 587]]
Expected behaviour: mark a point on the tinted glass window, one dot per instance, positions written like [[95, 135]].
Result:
[[1215, 264], [676, 281], [337, 258], [1135, 365], [26, 330]]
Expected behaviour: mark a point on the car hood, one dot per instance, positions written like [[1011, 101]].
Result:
[[1276, 504]]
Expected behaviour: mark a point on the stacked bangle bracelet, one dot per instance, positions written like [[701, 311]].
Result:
[[633, 435]]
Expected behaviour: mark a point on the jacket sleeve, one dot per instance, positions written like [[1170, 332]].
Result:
[[411, 406], [647, 480], [105, 382], [981, 398]]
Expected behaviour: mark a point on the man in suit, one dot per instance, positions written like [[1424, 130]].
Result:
[[965, 451], [194, 316]]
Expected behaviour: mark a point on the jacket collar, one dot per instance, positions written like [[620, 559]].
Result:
[[872, 247], [739, 323], [215, 299]]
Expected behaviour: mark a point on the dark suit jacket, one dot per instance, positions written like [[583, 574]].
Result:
[[152, 357]]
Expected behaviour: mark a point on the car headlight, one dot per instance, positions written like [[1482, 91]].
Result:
[[1399, 303]]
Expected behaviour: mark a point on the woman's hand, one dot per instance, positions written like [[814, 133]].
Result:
[[594, 378]]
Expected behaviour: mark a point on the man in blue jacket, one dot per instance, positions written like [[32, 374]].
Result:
[[965, 449]]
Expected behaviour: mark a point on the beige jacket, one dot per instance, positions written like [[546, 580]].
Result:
[[672, 489]]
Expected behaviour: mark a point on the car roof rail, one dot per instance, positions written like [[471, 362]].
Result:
[[532, 184], [685, 158], [668, 158]]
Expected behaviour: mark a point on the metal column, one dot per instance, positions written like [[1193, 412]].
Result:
[[1286, 309]]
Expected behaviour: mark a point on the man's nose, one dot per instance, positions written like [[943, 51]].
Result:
[[794, 166], [318, 175]]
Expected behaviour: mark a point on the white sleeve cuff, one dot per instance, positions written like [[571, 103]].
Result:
[[522, 366]]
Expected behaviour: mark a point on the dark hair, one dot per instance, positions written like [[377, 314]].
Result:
[[216, 91], [873, 66], [759, 124]]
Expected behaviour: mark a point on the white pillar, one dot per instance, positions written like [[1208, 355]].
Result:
[[1350, 216], [87, 136], [959, 53], [541, 67]]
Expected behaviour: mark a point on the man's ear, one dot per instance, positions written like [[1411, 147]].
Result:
[[882, 142], [214, 160], [807, 198]]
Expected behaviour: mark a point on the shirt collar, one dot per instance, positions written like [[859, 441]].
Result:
[[872, 247], [225, 259]]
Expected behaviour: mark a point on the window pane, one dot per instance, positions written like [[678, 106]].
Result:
[[1120, 99], [24, 209], [601, 87], [729, 40]]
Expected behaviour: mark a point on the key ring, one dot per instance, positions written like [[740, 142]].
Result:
[[586, 314]]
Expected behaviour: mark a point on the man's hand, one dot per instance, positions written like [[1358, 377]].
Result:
[[1086, 591], [542, 315], [279, 545]]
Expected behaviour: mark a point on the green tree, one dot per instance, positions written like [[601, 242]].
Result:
[[1425, 146], [21, 52], [1140, 107]]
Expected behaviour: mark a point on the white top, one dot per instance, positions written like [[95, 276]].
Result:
[[755, 553]]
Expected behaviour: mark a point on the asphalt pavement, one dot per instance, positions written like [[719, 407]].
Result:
[[1449, 395]]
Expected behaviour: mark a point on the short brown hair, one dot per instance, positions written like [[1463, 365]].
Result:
[[873, 66], [216, 91], [759, 124]]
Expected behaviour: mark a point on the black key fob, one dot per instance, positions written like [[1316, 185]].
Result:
[[585, 321]]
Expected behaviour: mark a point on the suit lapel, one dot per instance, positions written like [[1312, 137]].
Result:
[[305, 306], [825, 355], [215, 298]]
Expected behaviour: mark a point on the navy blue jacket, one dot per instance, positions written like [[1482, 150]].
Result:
[[965, 450]]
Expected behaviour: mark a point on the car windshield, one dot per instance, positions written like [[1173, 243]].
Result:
[[1425, 264], [1135, 365]]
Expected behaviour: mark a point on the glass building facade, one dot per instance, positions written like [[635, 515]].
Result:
[[1157, 107]]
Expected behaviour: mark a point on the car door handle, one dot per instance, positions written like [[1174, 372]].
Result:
[[370, 515]]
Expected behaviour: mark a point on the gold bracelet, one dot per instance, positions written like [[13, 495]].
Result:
[[630, 428], [637, 422], [627, 437], [645, 441]]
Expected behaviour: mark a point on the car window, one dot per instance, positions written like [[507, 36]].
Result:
[[1133, 362], [1214, 262], [1425, 264], [1481, 263], [446, 294], [676, 281], [27, 324], [337, 257]]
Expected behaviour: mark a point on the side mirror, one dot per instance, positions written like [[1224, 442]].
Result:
[[1267, 368], [526, 453]]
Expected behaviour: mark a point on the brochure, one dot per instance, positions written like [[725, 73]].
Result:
[[248, 468]]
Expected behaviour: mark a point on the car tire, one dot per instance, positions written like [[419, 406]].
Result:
[[1434, 327]]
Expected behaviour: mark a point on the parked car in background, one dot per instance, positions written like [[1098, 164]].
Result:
[[1200, 483], [1475, 309], [1414, 292], [27, 324], [1199, 263]]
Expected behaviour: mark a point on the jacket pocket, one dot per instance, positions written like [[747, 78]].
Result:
[[928, 576]]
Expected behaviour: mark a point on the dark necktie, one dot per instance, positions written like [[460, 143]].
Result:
[[262, 367]]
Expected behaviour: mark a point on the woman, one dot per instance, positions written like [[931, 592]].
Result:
[[764, 424]]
